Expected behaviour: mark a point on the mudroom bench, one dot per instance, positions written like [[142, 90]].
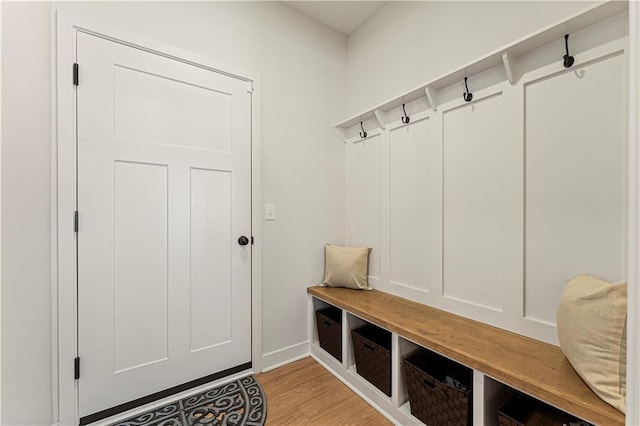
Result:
[[502, 362]]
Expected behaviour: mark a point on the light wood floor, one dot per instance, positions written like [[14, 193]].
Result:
[[305, 393]]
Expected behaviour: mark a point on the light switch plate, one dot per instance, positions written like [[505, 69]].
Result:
[[269, 211]]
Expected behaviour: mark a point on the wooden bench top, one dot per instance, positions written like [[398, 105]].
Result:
[[533, 367]]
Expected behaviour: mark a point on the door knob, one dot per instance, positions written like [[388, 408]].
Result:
[[243, 241]]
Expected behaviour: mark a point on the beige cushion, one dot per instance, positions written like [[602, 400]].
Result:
[[346, 267], [592, 320]]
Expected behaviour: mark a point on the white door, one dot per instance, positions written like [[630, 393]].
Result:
[[164, 193]]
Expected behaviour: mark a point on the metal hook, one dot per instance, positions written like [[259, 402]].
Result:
[[467, 96], [406, 118], [568, 60], [363, 134]]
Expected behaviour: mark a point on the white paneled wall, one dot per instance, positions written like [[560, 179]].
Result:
[[575, 180], [364, 198], [486, 208], [576, 183], [473, 230], [408, 205]]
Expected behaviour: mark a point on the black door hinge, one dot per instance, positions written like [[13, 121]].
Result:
[[76, 368], [75, 74], [75, 221], [252, 240]]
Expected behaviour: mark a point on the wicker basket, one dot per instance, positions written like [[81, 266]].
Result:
[[372, 350], [440, 390], [329, 322], [523, 410]]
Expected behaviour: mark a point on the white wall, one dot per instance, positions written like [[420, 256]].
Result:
[[26, 285], [302, 65], [406, 44]]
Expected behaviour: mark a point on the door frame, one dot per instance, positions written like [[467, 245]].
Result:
[[64, 324]]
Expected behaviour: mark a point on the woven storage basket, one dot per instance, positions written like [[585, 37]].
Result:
[[372, 350], [329, 323], [523, 410], [432, 399]]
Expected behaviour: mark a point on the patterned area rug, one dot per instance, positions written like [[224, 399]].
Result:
[[241, 402]]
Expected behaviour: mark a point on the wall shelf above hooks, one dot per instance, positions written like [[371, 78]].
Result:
[[507, 57]]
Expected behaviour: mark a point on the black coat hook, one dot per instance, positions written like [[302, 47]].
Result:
[[406, 118], [468, 96], [568, 60], [363, 134]]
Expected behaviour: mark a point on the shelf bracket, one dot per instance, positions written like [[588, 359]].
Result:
[[510, 67], [342, 134], [380, 118], [431, 97]]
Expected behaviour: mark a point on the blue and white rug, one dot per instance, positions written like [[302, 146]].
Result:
[[238, 403]]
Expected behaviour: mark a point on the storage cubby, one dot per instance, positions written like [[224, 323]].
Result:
[[495, 394], [372, 355], [505, 406], [523, 410], [315, 305], [440, 390], [329, 327], [327, 320]]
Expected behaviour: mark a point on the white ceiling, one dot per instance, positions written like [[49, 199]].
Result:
[[342, 16]]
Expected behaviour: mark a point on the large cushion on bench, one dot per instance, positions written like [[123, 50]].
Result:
[[592, 332], [346, 267]]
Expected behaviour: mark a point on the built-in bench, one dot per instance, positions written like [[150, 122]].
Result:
[[533, 367]]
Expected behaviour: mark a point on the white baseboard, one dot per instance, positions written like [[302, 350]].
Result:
[[284, 356]]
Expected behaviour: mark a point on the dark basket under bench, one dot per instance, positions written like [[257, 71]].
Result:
[[329, 323], [440, 390], [372, 351], [523, 410]]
